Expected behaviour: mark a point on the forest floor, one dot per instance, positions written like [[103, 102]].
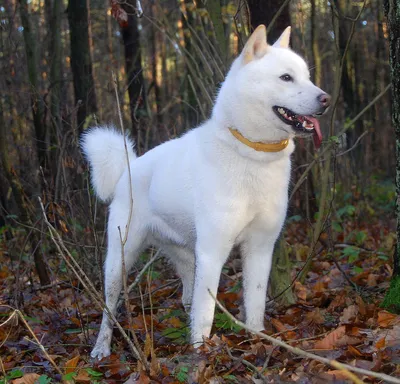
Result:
[[337, 316]]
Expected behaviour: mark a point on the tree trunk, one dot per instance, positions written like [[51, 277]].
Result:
[[54, 12], [392, 9], [192, 113], [134, 74], [214, 10], [280, 275], [262, 12], [55, 65], [23, 209], [348, 83], [316, 73], [155, 38], [36, 100], [81, 61]]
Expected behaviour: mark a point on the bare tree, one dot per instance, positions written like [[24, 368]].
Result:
[[134, 70], [392, 8], [36, 100], [55, 48], [81, 61], [263, 12], [40, 139]]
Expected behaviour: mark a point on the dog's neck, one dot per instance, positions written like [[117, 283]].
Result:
[[259, 146]]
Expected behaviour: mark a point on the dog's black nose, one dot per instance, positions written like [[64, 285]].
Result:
[[324, 99]]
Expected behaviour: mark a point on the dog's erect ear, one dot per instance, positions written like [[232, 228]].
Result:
[[256, 47], [283, 41]]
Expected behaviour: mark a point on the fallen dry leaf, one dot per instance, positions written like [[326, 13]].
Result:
[[338, 301], [349, 314], [82, 377], [388, 337], [361, 305], [372, 280], [279, 326], [315, 317], [28, 378], [354, 351], [338, 374], [135, 379], [301, 290], [70, 365], [331, 339], [386, 319], [380, 344]]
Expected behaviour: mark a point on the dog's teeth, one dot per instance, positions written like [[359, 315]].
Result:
[[281, 111], [304, 124]]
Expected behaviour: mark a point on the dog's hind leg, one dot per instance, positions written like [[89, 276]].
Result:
[[184, 261], [113, 270]]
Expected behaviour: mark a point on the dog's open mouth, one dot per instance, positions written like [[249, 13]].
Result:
[[300, 123]]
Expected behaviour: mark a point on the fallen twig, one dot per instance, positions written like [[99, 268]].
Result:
[[246, 363], [18, 314], [143, 270], [345, 368], [140, 274]]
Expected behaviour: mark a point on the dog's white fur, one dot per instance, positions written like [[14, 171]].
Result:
[[198, 196]]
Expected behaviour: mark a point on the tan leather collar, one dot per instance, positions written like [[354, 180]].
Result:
[[260, 146]]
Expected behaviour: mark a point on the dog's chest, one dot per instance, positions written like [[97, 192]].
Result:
[[267, 192]]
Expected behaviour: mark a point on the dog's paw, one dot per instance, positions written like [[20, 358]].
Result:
[[196, 343], [197, 338], [103, 343], [100, 351]]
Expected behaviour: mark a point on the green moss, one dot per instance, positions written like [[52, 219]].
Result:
[[392, 298]]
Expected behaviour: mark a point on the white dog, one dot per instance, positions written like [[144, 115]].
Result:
[[222, 184]]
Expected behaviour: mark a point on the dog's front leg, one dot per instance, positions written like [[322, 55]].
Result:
[[211, 254], [257, 259]]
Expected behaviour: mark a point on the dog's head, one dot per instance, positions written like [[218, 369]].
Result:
[[269, 94]]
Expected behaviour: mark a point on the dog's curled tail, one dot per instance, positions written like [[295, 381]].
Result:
[[105, 150]]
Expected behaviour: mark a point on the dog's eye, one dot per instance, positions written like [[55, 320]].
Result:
[[286, 77]]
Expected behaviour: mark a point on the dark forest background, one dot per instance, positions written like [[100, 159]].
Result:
[[57, 60]]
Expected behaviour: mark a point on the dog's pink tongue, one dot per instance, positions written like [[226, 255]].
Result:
[[317, 135]]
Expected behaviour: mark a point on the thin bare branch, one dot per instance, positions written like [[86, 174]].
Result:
[[84, 279], [345, 368], [329, 145]]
